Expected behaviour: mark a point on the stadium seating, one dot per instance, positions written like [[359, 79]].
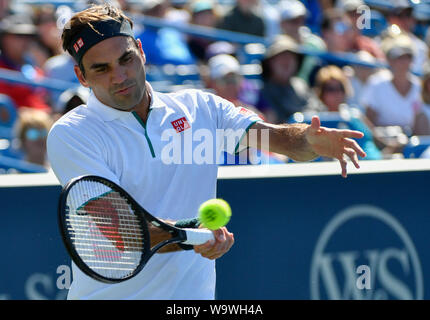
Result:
[[416, 146], [8, 116], [13, 165]]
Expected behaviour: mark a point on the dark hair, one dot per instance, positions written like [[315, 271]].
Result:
[[87, 17]]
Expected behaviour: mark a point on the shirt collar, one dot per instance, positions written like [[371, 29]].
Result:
[[108, 113]]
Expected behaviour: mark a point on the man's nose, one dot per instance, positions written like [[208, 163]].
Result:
[[119, 75]]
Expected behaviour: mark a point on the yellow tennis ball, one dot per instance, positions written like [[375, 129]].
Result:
[[214, 213]]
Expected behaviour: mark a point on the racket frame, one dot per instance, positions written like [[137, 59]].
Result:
[[178, 235]]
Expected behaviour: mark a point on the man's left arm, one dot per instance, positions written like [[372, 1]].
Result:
[[303, 142]]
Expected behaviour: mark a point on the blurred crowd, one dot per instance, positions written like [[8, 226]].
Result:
[[356, 63]]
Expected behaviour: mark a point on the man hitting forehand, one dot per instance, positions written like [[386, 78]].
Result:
[[120, 134]]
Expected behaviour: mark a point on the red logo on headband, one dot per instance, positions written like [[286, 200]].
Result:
[[78, 44]]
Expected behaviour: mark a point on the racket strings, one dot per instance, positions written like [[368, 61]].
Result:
[[104, 229]]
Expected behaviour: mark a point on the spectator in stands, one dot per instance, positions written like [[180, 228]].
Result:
[[178, 12], [203, 13], [69, 100], [292, 22], [5, 9], [333, 89], [244, 18], [283, 93], [422, 118], [401, 20], [163, 45], [358, 76], [225, 79], [48, 42], [60, 66], [394, 100], [337, 31], [32, 129], [16, 36], [221, 47], [361, 42]]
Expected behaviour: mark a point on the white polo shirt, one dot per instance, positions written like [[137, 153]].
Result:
[[164, 164], [392, 108]]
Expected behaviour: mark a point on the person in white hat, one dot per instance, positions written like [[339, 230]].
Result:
[[292, 23], [226, 80], [401, 20], [394, 100]]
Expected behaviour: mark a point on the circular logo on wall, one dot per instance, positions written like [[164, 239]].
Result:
[[365, 244]]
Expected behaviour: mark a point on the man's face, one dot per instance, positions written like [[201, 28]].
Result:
[[115, 71]]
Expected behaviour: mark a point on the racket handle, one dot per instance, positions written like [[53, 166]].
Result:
[[198, 236]]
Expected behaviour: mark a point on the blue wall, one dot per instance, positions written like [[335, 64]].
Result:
[[279, 222], [296, 238]]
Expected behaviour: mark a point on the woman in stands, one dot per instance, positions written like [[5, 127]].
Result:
[[32, 129], [394, 99], [333, 88]]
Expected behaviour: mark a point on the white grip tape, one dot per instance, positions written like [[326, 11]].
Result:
[[198, 236]]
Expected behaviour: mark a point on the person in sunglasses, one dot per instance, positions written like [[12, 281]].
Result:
[[32, 131], [337, 31], [333, 89]]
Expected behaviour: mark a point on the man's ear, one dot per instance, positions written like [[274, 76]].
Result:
[[80, 76], [142, 53]]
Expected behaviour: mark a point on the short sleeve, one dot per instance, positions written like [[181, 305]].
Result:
[[234, 122], [72, 154]]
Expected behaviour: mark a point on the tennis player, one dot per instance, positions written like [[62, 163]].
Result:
[[125, 133]]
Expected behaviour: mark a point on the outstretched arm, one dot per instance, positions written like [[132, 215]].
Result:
[[303, 142]]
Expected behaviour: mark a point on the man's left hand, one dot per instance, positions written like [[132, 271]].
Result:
[[335, 143]]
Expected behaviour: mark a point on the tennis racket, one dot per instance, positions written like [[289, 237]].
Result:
[[108, 235]]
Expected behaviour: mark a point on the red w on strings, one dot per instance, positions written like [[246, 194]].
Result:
[[106, 219]]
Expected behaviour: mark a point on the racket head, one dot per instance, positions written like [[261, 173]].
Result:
[[103, 229]]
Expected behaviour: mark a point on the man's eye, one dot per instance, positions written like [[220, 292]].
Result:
[[127, 59], [100, 70]]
